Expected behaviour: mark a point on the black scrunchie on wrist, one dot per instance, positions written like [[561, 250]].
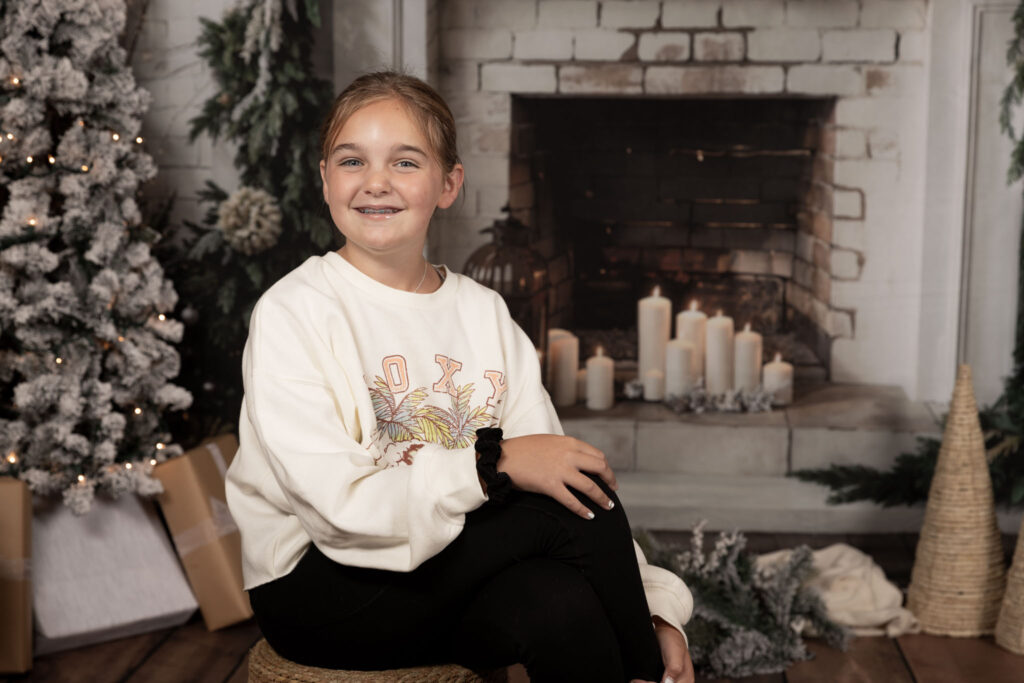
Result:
[[488, 445]]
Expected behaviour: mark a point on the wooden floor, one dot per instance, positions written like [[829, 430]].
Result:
[[190, 653]]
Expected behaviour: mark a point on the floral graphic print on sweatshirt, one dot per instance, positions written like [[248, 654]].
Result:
[[443, 413]]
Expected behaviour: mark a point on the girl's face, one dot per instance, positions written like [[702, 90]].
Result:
[[382, 182]]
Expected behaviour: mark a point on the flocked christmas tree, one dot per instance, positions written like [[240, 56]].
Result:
[[86, 345]]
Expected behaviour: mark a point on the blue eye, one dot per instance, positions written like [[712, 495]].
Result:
[[405, 163], [349, 162]]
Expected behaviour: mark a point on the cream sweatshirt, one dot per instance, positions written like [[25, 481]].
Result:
[[360, 411]]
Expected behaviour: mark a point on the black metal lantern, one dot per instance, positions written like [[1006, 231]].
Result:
[[508, 266]]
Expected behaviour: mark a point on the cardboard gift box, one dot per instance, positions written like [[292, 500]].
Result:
[[205, 535], [15, 582], [107, 574]]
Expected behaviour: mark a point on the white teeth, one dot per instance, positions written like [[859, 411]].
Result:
[[377, 211]]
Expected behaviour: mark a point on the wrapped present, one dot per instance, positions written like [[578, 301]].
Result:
[[15, 582], [110, 573], [205, 535]]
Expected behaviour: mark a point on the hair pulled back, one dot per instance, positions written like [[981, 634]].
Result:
[[423, 102]]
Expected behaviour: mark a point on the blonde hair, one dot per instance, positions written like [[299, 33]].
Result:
[[423, 102]]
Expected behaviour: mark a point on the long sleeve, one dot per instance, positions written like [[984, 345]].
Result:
[[306, 420], [530, 411]]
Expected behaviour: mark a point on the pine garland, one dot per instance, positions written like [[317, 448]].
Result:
[[268, 104], [746, 621], [908, 481]]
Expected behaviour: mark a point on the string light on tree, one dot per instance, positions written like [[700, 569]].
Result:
[[12, 458], [85, 168], [52, 159], [81, 478], [29, 159], [127, 465], [59, 360], [15, 81], [138, 411], [138, 140], [161, 317], [160, 446], [115, 137], [32, 221]]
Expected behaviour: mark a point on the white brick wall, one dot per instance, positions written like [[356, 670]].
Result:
[[718, 47], [518, 78], [753, 12], [664, 47], [690, 13], [600, 79], [844, 264], [474, 43], [824, 80], [821, 13], [847, 204], [567, 14], [166, 64], [551, 44], [681, 80], [865, 45], [851, 143], [783, 45], [893, 13], [510, 14], [630, 13], [602, 45], [848, 233], [913, 46]]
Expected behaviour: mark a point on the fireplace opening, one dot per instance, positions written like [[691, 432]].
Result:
[[726, 202]]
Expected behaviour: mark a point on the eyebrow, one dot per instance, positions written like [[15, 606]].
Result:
[[353, 147]]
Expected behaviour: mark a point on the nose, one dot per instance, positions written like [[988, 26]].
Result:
[[377, 182]]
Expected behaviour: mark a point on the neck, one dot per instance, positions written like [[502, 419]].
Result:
[[404, 271]]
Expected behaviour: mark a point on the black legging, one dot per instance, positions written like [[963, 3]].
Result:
[[527, 581]]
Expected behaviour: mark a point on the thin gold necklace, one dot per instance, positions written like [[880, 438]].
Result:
[[422, 278]]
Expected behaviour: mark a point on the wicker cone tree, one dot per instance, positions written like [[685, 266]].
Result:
[[958, 577], [1010, 627]]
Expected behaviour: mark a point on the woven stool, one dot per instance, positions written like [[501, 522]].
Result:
[[266, 666]]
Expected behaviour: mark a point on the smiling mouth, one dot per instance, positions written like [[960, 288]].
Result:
[[377, 212]]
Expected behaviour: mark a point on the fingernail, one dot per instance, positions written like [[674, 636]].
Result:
[[669, 679], [611, 504], [590, 515]]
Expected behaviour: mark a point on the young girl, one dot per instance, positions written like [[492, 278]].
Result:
[[403, 489]]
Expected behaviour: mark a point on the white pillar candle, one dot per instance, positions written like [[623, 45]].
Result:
[[565, 360], [747, 359], [654, 321], [600, 381], [654, 385], [581, 384], [778, 380], [691, 326], [718, 355], [679, 374], [549, 369]]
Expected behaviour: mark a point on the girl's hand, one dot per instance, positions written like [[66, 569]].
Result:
[[674, 654], [548, 463]]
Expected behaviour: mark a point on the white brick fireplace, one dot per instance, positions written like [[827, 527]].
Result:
[[893, 311], [921, 255]]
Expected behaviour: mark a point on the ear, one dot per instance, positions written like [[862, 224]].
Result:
[[452, 185], [323, 179]]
